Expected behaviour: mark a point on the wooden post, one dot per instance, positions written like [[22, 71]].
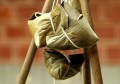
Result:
[[32, 50], [27, 63], [86, 69], [92, 53]]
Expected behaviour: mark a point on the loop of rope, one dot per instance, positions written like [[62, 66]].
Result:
[[53, 4], [36, 14]]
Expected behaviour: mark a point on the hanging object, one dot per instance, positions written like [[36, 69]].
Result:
[[73, 33], [61, 67], [64, 28], [40, 25]]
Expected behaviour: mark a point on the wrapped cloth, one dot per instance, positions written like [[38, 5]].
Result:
[[60, 67], [64, 28]]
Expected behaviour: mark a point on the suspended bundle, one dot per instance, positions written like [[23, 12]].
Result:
[[61, 67], [73, 33], [40, 25], [64, 28]]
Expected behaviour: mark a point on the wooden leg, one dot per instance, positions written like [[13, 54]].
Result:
[[86, 69], [92, 53], [31, 51], [95, 65], [27, 63]]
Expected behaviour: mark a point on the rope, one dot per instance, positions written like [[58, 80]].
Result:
[[37, 13], [53, 4], [51, 21]]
